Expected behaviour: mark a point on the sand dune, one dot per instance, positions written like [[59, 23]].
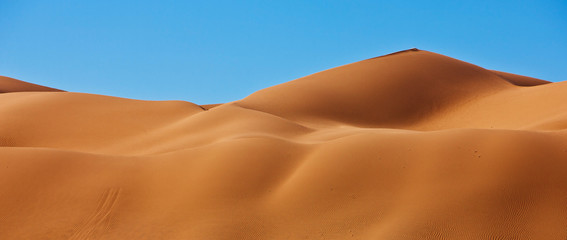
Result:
[[13, 85], [411, 145]]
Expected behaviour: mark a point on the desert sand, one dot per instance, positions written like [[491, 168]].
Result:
[[410, 145]]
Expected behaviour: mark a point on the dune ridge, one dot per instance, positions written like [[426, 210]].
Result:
[[411, 145], [15, 85]]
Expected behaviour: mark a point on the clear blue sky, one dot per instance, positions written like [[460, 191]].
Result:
[[219, 51]]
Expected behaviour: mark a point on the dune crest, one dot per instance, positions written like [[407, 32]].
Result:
[[410, 145], [13, 85]]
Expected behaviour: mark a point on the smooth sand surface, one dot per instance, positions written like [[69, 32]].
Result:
[[411, 145], [13, 85]]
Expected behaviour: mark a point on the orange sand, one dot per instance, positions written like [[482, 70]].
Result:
[[411, 145]]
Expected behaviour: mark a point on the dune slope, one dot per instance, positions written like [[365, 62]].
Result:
[[13, 85], [411, 145]]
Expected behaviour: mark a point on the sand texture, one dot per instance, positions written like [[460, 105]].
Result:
[[411, 145]]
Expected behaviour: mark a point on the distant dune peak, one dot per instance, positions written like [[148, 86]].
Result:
[[396, 89], [402, 51], [8, 84]]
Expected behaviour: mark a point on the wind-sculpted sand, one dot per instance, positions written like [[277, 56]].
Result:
[[411, 145]]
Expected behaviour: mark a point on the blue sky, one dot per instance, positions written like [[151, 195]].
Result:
[[220, 51]]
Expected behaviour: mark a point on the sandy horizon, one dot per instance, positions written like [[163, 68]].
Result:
[[409, 145]]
